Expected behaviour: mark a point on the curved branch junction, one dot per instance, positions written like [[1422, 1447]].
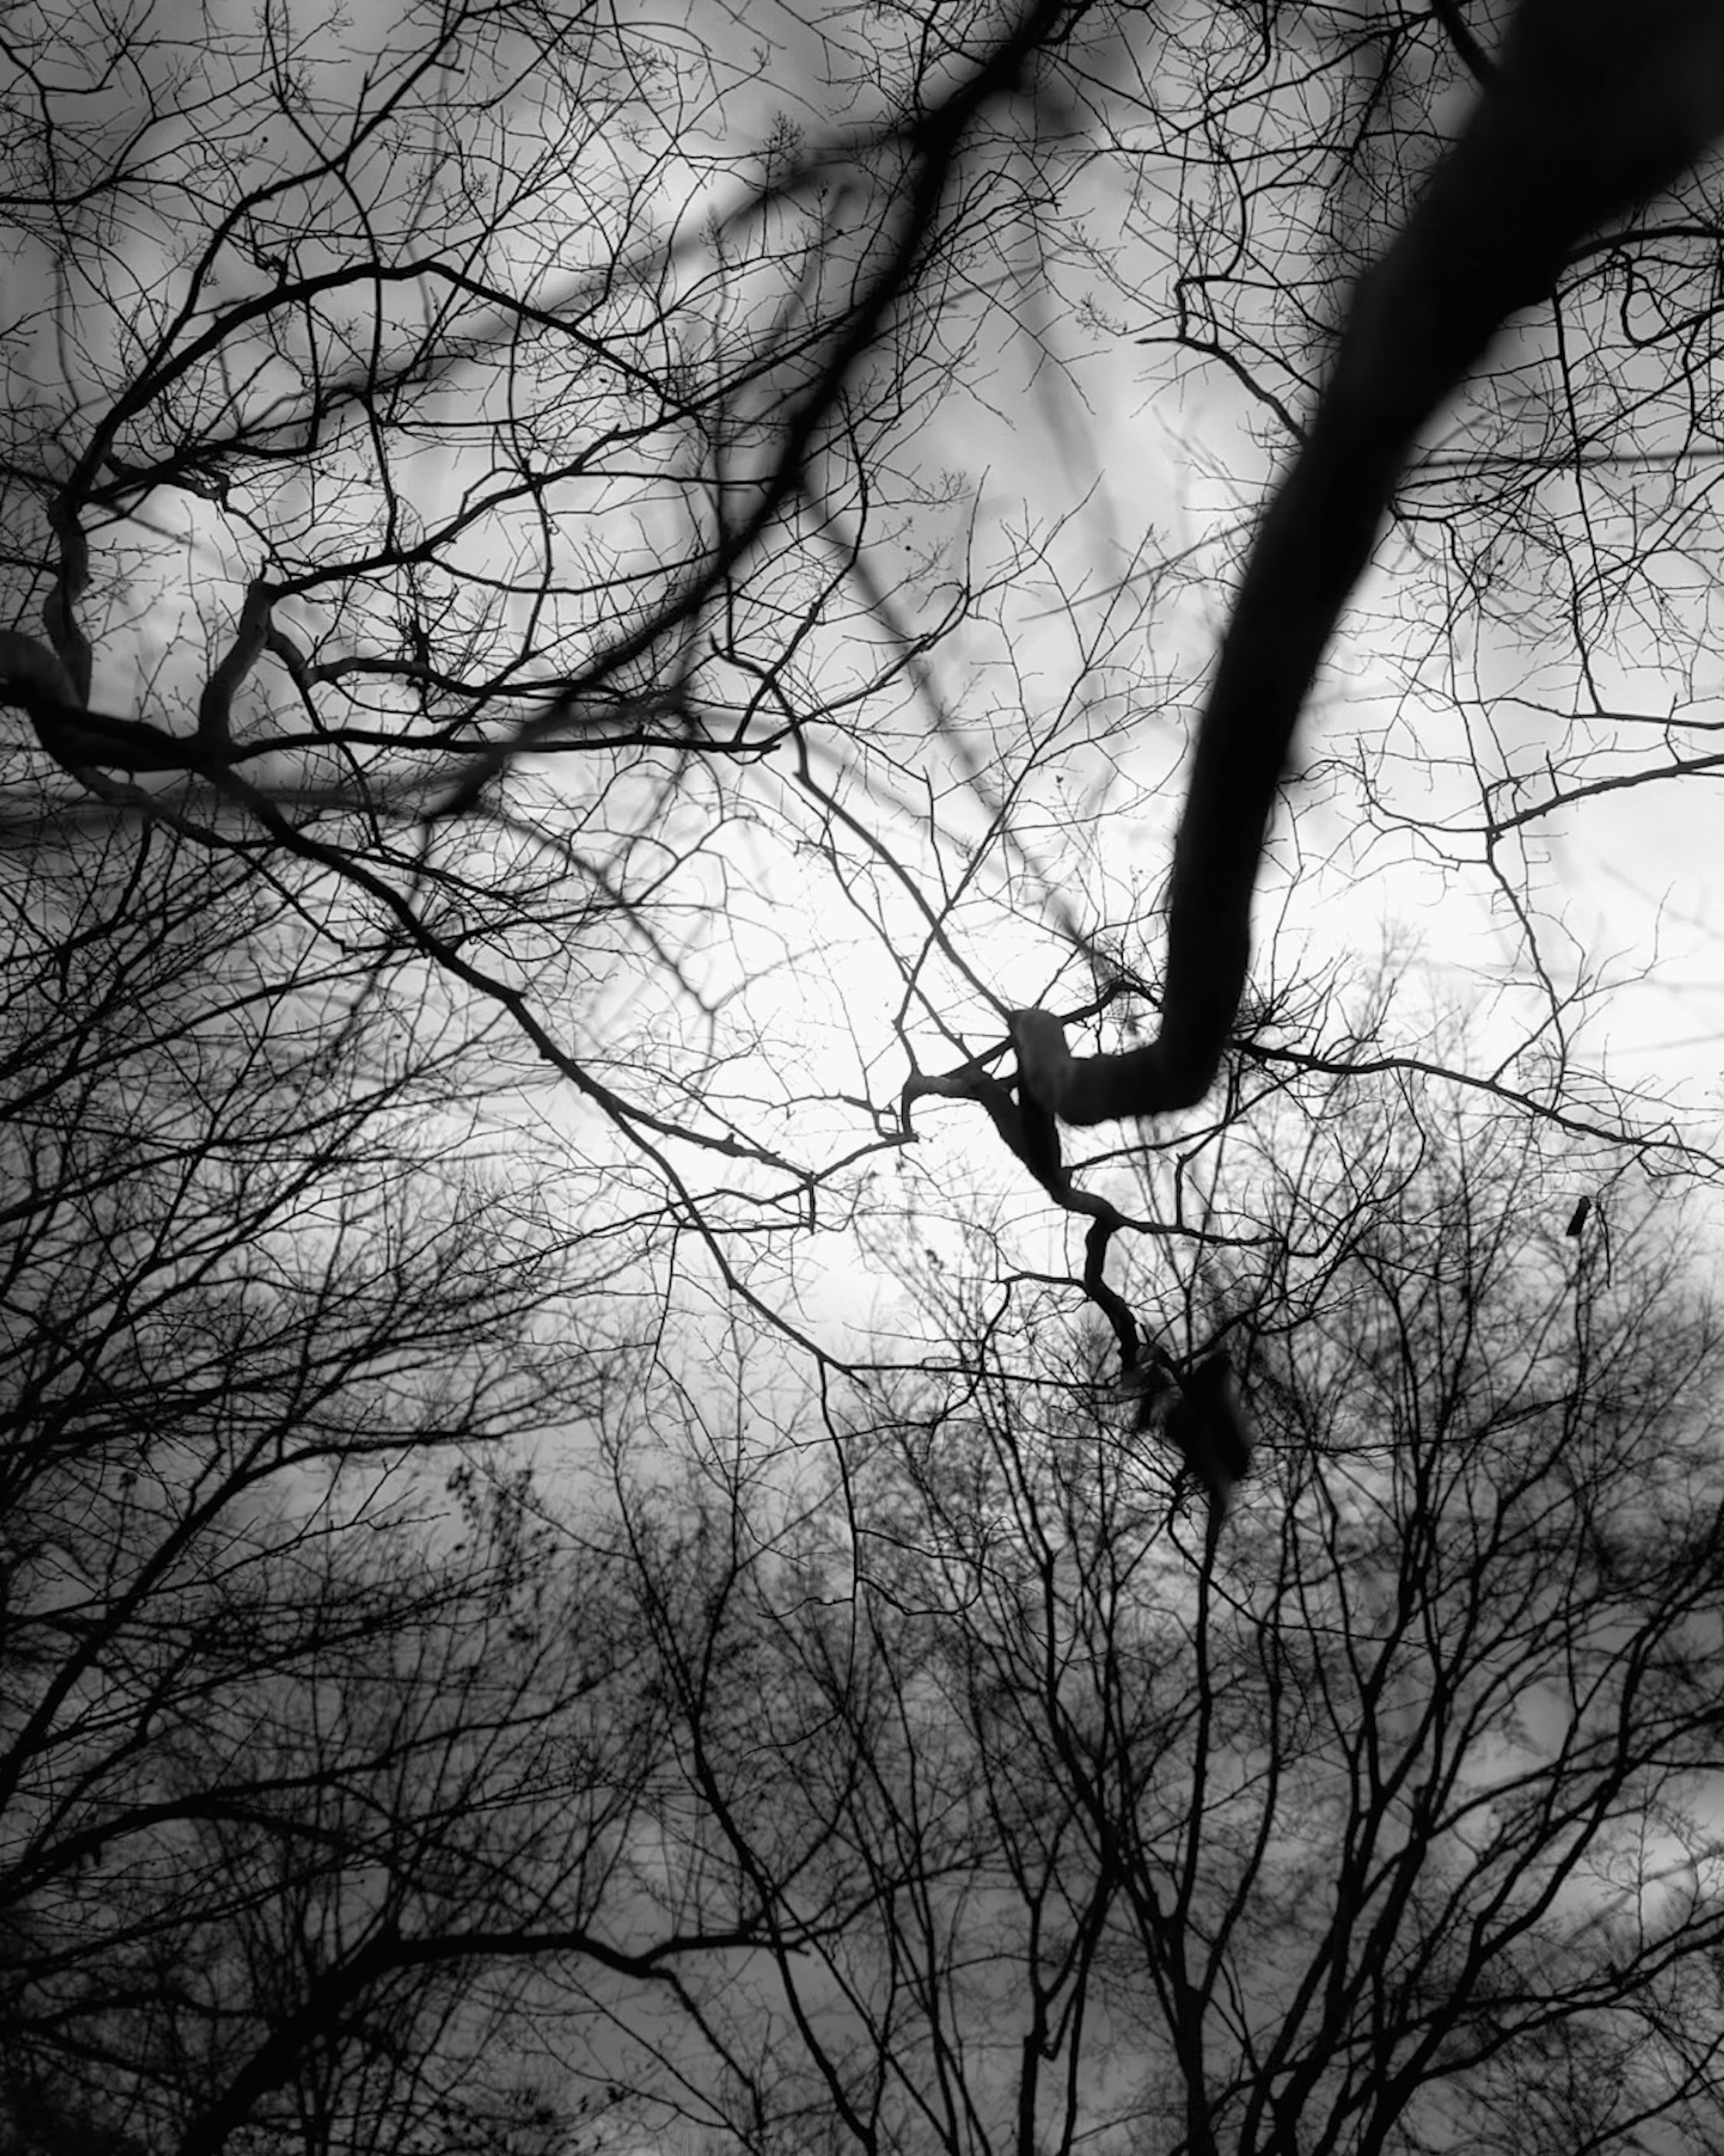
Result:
[[1194, 1407], [1592, 107]]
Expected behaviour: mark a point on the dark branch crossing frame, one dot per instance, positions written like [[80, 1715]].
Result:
[[1592, 106]]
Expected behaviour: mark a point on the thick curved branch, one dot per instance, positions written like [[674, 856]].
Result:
[[1458, 30], [251, 636], [33, 673], [37, 680], [1193, 1407], [59, 615], [1027, 1124], [1593, 108], [54, 689]]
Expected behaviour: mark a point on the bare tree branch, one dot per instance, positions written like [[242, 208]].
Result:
[[1591, 109]]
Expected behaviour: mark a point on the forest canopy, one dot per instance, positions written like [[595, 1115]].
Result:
[[607, 1541]]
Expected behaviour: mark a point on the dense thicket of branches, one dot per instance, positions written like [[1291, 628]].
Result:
[[584, 596], [1388, 1826]]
